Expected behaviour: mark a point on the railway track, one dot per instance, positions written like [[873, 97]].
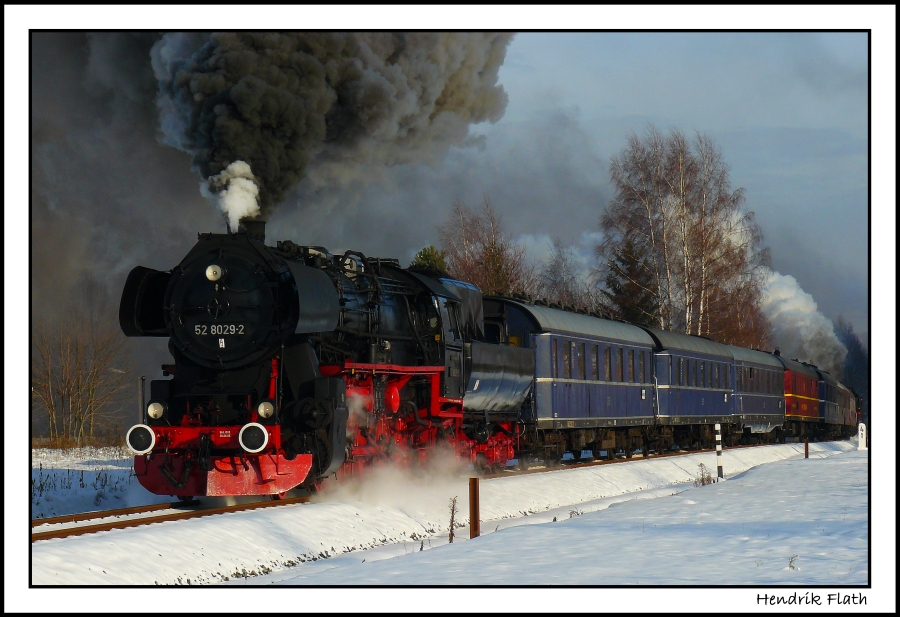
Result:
[[92, 522], [566, 466], [105, 520]]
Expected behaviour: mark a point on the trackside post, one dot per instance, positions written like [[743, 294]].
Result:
[[474, 514], [721, 474]]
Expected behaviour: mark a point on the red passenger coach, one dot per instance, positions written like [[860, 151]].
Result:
[[801, 398]]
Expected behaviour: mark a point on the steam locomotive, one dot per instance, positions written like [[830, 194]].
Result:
[[292, 365]]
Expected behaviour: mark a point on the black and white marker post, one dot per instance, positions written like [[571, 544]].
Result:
[[721, 475]]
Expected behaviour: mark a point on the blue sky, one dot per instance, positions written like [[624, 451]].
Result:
[[789, 111]]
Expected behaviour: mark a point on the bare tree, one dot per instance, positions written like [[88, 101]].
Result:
[[674, 202], [560, 279], [478, 251], [79, 371]]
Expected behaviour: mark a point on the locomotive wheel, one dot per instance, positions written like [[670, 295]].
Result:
[[278, 496], [186, 499]]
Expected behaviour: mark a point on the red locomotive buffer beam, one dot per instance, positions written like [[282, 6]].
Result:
[[181, 468]]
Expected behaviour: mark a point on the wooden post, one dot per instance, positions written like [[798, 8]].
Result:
[[806, 448], [474, 514]]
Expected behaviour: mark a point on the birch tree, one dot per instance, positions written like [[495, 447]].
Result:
[[705, 255]]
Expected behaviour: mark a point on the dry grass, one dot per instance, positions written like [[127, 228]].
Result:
[[704, 476]]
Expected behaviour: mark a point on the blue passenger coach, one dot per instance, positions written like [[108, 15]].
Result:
[[589, 372], [758, 390], [693, 377]]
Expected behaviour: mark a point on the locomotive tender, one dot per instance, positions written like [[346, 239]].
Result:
[[292, 364]]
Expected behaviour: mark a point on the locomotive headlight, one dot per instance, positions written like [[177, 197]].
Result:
[[214, 272], [265, 409], [156, 410]]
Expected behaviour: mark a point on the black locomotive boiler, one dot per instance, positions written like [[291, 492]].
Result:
[[292, 364]]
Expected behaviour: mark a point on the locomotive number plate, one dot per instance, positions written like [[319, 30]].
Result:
[[217, 329]]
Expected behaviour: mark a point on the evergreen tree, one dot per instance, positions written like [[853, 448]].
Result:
[[629, 287], [856, 364], [430, 258]]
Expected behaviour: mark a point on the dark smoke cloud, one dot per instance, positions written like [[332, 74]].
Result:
[[109, 194], [331, 106]]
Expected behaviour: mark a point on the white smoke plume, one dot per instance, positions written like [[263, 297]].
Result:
[[800, 330], [235, 192]]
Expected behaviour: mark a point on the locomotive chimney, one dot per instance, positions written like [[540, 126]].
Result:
[[255, 229]]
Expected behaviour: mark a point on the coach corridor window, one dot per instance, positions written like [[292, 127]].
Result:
[[554, 368], [595, 363], [607, 365], [581, 374], [567, 359], [620, 364]]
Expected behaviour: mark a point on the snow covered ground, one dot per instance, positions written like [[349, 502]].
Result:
[[778, 519]]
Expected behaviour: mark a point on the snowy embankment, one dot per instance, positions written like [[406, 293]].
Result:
[[395, 513], [84, 480]]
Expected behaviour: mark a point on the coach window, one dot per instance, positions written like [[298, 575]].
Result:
[[703, 374], [554, 368], [680, 371], [620, 364], [567, 359], [581, 374], [643, 368], [607, 364], [631, 371], [595, 363]]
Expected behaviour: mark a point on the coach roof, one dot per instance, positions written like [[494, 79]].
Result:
[[686, 342], [756, 357], [798, 367], [555, 320]]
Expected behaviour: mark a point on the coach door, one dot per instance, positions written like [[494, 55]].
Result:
[[453, 349]]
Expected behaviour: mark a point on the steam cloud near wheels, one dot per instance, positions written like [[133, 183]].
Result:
[[324, 106]]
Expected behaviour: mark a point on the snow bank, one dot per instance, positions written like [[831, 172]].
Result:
[[414, 514]]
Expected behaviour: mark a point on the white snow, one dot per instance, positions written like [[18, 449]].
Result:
[[778, 519], [409, 512]]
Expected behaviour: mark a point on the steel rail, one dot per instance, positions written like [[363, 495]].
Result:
[[177, 516], [570, 466], [86, 516]]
